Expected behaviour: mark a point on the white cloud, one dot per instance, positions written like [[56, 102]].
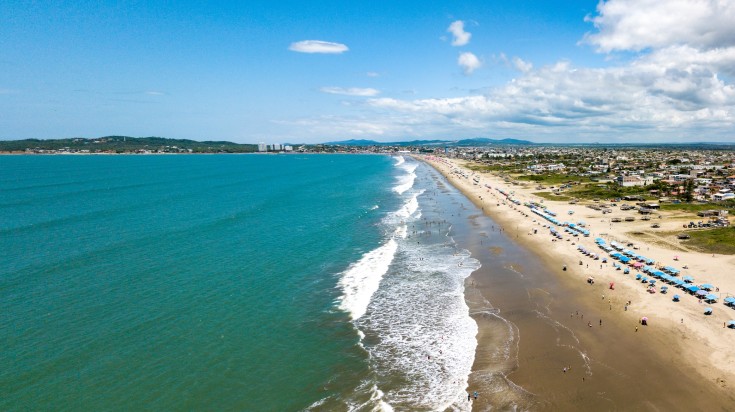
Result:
[[352, 91], [522, 65], [678, 86], [459, 36], [642, 24], [372, 74], [468, 62], [318, 46]]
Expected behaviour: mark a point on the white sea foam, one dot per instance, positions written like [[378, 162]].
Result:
[[363, 277], [408, 208], [407, 180], [400, 160], [401, 231], [406, 299], [425, 333]]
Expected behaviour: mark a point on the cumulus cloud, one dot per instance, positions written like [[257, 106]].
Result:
[[352, 91], [468, 62], [459, 36], [677, 86], [318, 46], [642, 24]]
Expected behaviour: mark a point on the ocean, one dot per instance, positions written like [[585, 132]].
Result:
[[230, 282]]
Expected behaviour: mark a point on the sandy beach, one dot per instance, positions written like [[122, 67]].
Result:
[[581, 346]]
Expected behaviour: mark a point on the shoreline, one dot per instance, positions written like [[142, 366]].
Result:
[[695, 349]]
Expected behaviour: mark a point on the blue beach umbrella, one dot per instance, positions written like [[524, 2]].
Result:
[[688, 279], [676, 298], [731, 324], [729, 300], [707, 311], [706, 286], [711, 296]]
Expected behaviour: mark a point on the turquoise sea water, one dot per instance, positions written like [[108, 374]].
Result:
[[222, 283]]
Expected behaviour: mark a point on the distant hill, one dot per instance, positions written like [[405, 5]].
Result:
[[478, 141], [126, 144]]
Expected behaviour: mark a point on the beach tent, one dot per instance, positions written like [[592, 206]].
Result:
[[707, 311], [637, 264], [706, 286], [691, 288], [701, 293], [711, 297], [729, 300]]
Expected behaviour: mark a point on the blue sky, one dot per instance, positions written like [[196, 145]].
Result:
[[295, 71]]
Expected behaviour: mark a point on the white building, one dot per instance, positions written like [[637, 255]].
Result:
[[724, 194], [628, 181], [262, 147]]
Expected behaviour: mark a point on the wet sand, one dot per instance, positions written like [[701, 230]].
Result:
[[533, 322]]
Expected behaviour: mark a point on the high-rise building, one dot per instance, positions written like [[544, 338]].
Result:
[[262, 147]]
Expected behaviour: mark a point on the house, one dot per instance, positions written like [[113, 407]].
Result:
[[628, 181]]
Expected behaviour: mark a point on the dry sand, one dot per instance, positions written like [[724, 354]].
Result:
[[679, 341]]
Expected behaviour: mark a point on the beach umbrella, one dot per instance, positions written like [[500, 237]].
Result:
[[701, 292], [707, 311], [711, 296], [706, 286], [731, 324], [729, 300], [688, 279], [692, 288], [676, 298]]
